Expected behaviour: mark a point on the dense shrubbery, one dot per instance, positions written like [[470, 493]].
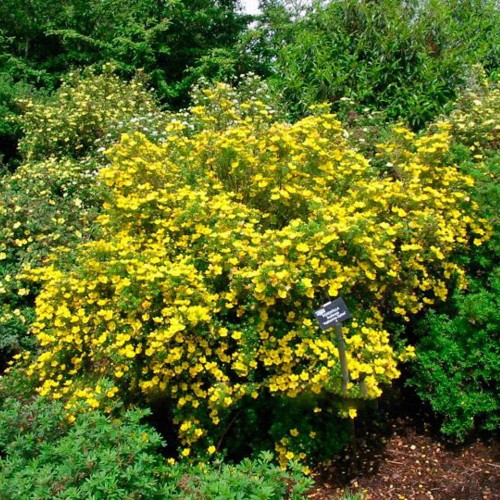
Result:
[[176, 259], [405, 59], [217, 245], [475, 119], [87, 112], [46, 457], [42, 41], [458, 368], [43, 205], [458, 364], [51, 200]]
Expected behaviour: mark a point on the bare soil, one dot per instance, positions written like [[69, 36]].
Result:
[[403, 457]]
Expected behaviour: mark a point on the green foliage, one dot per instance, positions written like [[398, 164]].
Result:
[[14, 86], [458, 356], [257, 479], [10, 91], [163, 38], [41, 41], [458, 363], [355, 495], [320, 435], [44, 456], [402, 58], [289, 425], [47, 457]]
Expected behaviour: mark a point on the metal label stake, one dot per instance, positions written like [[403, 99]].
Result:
[[332, 314]]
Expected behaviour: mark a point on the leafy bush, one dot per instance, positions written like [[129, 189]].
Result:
[[88, 112], [217, 245], [51, 200], [47, 457], [405, 59], [457, 367], [17, 82], [40, 42], [44, 456], [43, 206], [253, 479], [475, 117]]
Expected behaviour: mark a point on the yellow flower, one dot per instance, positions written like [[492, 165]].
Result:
[[196, 286], [302, 247]]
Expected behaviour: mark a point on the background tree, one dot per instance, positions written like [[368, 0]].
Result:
[[403, 58], [41, 41]]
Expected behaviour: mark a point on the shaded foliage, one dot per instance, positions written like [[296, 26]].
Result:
[[42, 455]]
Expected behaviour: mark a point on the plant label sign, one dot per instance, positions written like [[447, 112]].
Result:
[[332, 313]]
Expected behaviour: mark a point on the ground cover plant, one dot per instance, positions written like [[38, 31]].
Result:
[[216, 246], [44, 456]]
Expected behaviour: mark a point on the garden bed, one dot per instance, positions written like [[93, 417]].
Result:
[[401, 456]]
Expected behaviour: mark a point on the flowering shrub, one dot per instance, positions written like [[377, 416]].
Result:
[[456, 370], [43, 206], [216, 247], [475, 120], [88, 112], [51, 200]]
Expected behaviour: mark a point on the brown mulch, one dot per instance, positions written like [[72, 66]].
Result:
[[405, 459]]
